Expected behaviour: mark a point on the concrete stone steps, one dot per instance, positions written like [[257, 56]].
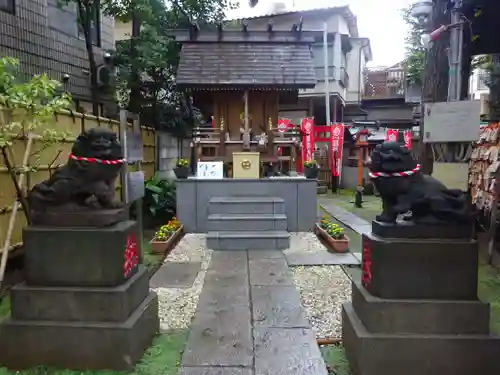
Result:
[[246, 205], [248, 240], [245, 222]]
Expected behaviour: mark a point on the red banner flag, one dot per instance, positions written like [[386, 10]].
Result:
[[391, 135], [283, 125], [408, 137], [336, 147], [307, 127]]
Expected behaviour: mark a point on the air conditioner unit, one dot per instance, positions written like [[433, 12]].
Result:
[[104, 76], [484, 106]]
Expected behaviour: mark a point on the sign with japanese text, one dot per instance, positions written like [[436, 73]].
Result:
[[391, 135], [283, 125], [307, 128], [408, 138], [366, 265], [210, 170], [336, 147]]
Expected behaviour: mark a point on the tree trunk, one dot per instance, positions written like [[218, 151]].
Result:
[[134, 83], [86, 12], [494, 97], [435, 80]]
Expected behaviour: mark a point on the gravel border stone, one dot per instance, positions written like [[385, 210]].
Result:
[[178, 305]]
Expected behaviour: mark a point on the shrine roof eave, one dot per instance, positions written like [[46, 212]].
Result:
[[242, 87]]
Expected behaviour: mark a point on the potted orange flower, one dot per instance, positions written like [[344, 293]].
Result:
[[334, 235], [166, 236]]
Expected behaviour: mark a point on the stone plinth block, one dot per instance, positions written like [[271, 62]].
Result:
[[409, 230], [412, 316], [416, 354], [396, 268], [79, 345], [105, 304], [81, 257]]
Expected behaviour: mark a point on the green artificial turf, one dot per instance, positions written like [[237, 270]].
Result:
[[489, 291], [162, 358], [336, 362]]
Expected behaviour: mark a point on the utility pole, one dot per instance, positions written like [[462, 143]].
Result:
[[455, 53]]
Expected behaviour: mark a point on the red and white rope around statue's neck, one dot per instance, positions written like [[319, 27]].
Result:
[[98, 161], [395, 174]]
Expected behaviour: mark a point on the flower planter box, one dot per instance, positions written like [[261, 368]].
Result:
[[182, 172], [311, 172], [165, 247], [333, 245]]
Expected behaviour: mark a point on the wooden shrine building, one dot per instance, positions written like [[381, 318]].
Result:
[[243, 75]]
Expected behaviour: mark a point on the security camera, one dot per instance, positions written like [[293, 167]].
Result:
[[65, 77], [107, 57]]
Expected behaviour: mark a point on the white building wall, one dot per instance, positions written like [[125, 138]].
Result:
[[356, 64]]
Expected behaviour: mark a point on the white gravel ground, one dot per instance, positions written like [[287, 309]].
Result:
[[178, 305], [323, 289], [304, 241]]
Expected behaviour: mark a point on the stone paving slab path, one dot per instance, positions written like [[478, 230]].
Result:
[[347, 218], [175, 275], [250, 320]]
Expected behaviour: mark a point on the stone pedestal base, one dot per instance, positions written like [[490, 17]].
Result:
[[86, 303], [416, 309], [79, 345], [416, 354]]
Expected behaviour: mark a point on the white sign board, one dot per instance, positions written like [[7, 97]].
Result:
[[210, 170], [452, 121], [135, 186]]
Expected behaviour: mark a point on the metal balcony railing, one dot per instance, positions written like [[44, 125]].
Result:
[[384, 83]]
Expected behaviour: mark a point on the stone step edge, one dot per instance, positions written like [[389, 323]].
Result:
[[363, 332], [248, 234], [136, 315], [231, 217], [246, 199]]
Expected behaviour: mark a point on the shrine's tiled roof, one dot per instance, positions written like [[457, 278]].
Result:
[[254, 60]]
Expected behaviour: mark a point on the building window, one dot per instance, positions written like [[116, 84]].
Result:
[[95, 25], [8, 6]]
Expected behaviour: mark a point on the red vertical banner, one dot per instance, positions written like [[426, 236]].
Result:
[[307, 128], [391, 135], [336, 147], [283, 125], [408, 138]]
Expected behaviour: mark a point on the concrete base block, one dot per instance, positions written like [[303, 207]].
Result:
[[81, 257], [396, 268], [79, 346], [108, 304], [416, 354], [412, 316]]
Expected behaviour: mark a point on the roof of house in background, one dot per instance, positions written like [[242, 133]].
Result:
[[345, 11], [253, 59]]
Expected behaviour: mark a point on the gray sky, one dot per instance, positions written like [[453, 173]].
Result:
[[379, 20]]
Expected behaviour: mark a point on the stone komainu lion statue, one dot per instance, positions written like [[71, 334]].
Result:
[[87, 181], [404, 188]]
